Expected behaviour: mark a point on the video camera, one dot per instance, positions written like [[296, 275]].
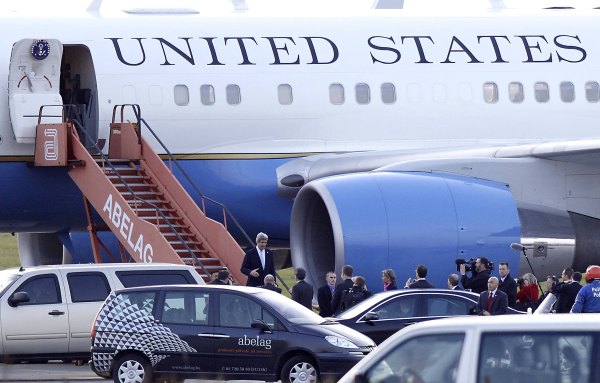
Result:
[[470, 265]]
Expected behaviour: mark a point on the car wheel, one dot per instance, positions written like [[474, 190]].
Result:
[[300, 369], [132, 368]]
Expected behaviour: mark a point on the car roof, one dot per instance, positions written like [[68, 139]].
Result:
[[505, 323], [95, 266], [245, 289]]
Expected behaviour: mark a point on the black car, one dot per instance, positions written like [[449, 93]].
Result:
[[218, 332], [385, 313]]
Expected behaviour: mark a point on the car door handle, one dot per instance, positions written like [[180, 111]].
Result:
[[208, 335], [56, 312]]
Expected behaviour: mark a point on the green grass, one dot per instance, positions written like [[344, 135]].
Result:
[[9, 254]]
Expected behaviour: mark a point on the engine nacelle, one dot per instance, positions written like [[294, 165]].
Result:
[[399, 220]]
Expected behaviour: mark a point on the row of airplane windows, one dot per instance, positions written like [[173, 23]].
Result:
[[491, 93]]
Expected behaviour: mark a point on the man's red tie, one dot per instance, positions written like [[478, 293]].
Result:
[[490, 300]]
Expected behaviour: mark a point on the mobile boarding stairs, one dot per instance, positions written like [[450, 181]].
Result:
[[138, 198]]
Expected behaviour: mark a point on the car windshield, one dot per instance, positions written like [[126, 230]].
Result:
[[7, 279], [290, 310], [363, 306]]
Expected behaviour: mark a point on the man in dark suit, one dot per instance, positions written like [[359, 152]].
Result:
[[493, 301], [258, 262], [270, 284], [325, 295], [345, 285], [566, 292], [303, 291], [420, 282], [507, 284], [222, 278], [453, 282]]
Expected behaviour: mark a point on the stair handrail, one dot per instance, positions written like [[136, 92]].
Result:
[[137, 111], [138, 115], [156, 208]]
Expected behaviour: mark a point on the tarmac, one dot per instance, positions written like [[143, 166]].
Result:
[[56, 371]]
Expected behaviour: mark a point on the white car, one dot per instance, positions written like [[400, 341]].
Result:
[[509, 348], [47, 312]]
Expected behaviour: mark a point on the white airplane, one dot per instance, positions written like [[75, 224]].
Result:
[[373, 137]]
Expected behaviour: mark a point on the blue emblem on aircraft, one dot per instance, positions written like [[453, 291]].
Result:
[[40, 49]]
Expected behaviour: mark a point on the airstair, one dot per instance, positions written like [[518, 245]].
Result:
[[139, 199]]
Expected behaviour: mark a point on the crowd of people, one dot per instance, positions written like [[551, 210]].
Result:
[[496, 294]]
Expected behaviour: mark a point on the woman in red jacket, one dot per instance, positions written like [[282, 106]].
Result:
[[528, 292]]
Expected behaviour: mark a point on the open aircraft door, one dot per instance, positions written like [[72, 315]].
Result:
[[33, 81]]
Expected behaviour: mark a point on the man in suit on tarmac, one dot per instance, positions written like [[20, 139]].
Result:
[[507, 284], [325, 295], [345, 285], [270, 284], [258, 262], [420, 282], [493, 301], [303, 291]]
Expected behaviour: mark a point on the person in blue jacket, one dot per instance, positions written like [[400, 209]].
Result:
[[588, 298]]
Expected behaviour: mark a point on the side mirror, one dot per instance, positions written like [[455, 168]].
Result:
[[18, 298], [371, 315], [262, 326]]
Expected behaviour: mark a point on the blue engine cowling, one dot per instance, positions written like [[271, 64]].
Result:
[[399, 220]]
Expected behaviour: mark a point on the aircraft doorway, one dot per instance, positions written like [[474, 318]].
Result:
[[78, 87]]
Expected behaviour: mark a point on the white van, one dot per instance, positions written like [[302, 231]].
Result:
[[561, 348], [47, 312]]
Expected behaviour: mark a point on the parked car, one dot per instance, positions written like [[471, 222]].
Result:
[[500, 349], [219, 332], [46, 312], [383, 314]]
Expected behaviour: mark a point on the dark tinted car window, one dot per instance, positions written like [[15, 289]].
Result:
[[140, 306], [400, 307], [239, 311], [538, 357], [88, 287], [153, 278], [424, 359], [42, 289], [186, 307], [447, 305]]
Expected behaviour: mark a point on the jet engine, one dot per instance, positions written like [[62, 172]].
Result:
[[379, 220]]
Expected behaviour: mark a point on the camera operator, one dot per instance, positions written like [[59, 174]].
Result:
[[479, 277]]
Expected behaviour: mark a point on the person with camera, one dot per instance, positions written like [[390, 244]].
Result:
[[527, 297], [566, 292], [478, 282]]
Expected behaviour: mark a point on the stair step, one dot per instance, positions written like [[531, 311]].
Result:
[[133, 202], [127, 194], [201, 260], [134, 185]]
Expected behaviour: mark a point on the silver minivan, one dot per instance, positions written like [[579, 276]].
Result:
[[47, 312], [562, 348]]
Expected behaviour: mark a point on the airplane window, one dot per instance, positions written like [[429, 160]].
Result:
[[284, 94], [567, 91], [413, 93], [388, 93], [182, 95], [440, 93], [336, 94], [363, 94], [515, 92], [207, 94], [490, 92], [592, 91], [542, 92], [155, 96], [234, 96]]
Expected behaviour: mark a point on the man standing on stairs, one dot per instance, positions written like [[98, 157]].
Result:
[[258, 262]]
